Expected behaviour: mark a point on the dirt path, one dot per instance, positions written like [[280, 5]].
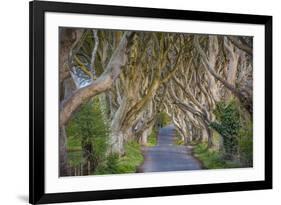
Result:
[[166, 156]]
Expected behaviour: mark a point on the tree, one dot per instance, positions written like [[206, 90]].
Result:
[[72, 102], [91, 129], [137, 75], [243, 94]]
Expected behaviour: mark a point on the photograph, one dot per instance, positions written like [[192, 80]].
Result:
[[127, 102], [133, 101]]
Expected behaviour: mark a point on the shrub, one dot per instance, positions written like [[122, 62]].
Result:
[[110, 166], [228, 125], [132, 159], [236, 130], [245, 142], [163, 119], [90, 132]]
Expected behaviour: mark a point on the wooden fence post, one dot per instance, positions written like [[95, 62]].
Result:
[[89, 167]]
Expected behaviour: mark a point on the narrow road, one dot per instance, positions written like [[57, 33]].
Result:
[[166, 156]]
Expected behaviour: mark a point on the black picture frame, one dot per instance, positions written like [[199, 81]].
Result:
[[37, 11]]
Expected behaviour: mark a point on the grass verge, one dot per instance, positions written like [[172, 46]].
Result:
[[152, 138], [212, 159], [125, 164], [177, 139]]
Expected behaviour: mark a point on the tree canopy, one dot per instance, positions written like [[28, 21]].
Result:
[[203, 83]]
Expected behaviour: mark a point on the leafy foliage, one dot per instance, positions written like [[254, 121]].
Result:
[[245, 142], [236, 131], [228, 125], [163, 119], [73, 144], [90, 132]]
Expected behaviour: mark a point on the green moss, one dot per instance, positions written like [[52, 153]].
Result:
[[179, 142], [212, 159], [216, 138]]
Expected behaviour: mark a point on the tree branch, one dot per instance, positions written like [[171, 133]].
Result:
[[238, 43], [104, 82]]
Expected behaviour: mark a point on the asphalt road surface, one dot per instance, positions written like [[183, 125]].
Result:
[[166, 156]]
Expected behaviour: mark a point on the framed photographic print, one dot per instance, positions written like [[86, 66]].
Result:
[[140, 102]]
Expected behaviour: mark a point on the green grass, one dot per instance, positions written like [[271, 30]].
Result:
[[133, 158], [113, 164], [152, 139], [212, 159], [125, 164], [177, 139]]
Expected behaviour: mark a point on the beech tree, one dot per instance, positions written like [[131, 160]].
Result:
[[70, 40], [137, 75]]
